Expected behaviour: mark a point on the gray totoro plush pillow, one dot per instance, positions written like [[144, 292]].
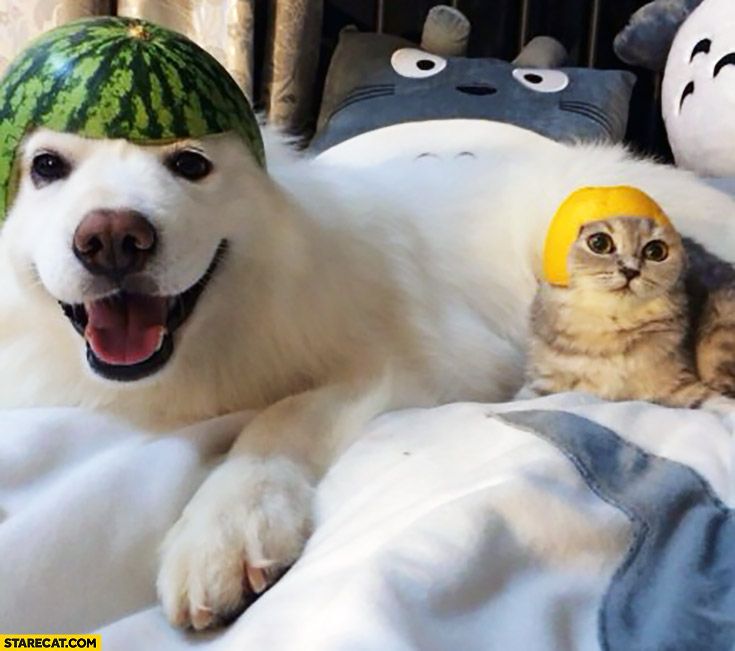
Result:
[[376, 81]]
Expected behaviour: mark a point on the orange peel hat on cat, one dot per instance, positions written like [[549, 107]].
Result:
[[590, 205]]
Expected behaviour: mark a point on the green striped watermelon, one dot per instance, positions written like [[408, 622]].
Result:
[[114, 77]]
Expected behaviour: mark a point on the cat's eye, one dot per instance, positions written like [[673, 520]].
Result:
[[656, 251], [601, 243], [542, 80], [416, 64]]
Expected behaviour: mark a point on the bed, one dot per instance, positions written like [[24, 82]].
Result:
[[558, 523]]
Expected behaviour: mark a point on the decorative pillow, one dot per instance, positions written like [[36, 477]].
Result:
[[376, 81]]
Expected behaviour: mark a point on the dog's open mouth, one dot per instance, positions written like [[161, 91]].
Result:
[[130, 336]]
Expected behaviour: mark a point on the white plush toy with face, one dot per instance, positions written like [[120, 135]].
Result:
[[698, 93]]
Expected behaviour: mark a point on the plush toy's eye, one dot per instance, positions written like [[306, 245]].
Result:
[[601, 243], [656, 250], [416, 64], [542, 80]]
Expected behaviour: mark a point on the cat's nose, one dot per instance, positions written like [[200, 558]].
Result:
[[629, 273]]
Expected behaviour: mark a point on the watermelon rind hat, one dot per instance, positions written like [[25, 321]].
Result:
[[587, 205], [115, 77]]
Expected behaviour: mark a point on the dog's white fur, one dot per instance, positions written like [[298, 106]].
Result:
[[344, 293]]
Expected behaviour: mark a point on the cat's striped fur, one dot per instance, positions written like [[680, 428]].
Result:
[[716, 341], [711, 290]]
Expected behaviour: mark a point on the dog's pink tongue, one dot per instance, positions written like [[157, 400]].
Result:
[[126, 330]]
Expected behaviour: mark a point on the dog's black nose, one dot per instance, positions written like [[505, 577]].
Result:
[[629, 273], [114, 243]]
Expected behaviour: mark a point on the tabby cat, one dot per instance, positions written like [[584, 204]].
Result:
[[619, 329]]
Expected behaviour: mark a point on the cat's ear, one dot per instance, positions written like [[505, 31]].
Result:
[[647, 38]]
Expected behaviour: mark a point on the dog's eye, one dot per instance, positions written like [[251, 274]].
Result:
[[657, 251], [601, 243], [189, 164], [47, 167]]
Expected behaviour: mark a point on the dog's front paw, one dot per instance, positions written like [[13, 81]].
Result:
[[245, 526]]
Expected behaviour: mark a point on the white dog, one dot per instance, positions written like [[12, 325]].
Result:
[[173, 283]]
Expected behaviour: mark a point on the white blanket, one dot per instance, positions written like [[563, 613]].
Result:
[[440, 529]]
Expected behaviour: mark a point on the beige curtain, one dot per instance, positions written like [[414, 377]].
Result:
[[223, 27], [292, 55]]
